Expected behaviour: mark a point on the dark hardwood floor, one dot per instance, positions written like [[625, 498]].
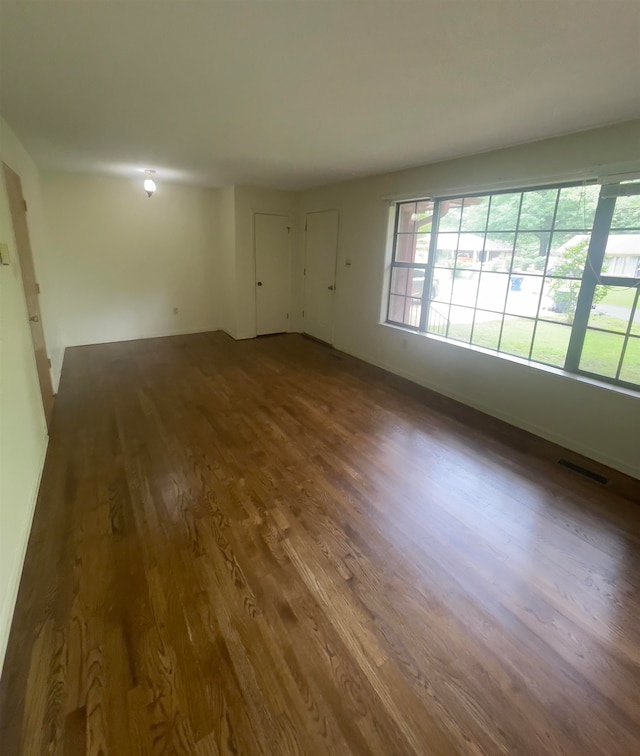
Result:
[[265, 547]]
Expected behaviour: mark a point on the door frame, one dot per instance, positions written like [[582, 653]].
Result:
[[335, 271], [282, 214], [17, 209]]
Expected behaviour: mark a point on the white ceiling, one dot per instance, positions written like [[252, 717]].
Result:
[[297, 94]]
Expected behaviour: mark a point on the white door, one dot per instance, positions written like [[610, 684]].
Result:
[[271, 234], [321, 249]]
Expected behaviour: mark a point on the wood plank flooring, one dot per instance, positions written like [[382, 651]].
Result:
[[266, 547]]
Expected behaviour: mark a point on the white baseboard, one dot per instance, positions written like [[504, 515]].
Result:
[[10, 597], [537, 430], [146, 335]]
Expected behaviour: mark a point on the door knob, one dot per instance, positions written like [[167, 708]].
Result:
[[34, 319], [331, 288], [259, 283]]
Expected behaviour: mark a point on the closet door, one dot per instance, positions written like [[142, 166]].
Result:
[[321, 249], [272, 248]]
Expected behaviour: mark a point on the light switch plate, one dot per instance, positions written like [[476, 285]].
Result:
[[4, 254]]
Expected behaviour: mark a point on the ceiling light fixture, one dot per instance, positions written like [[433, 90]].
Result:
[[149, 183]]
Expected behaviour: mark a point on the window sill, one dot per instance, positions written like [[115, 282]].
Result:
[[559, 372]]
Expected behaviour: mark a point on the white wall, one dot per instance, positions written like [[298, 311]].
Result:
[[237, 205], [23, 432], [599, 422], [123, 262]]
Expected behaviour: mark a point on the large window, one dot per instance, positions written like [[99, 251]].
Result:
[[550, 275]]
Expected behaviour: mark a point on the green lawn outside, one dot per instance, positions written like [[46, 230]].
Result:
[[616, 297], [613, 324], [619, 297], [600, 355]]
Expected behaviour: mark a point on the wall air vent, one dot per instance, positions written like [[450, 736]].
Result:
[[584, 472]]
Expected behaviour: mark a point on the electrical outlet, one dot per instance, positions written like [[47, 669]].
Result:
[[4, 254]]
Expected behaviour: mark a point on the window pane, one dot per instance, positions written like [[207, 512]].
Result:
[[635, 323], [524, 295], [415, 217], [577, 207], [498, 250], [601, 353], [631, 363], [412, 310], [550, 343], [441, 284], [568, 254], [559, 297], [622, 253], [450, 214], [416, 282], [474, 214], [517, 334], [537, 209], [446, 249], [470, 251], [396, 308], [460, 322], [531, 252], [492, 291], [405, 248], [406, 214], [486, 329], [612, 307], [503, 215], [399, 280], [422, 248], [438, 318], [465, 287], [627, 212], [424, 216]]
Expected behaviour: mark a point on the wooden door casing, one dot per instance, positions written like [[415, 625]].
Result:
[[18, 210]]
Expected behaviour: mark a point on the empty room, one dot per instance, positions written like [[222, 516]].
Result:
[[320, 377]]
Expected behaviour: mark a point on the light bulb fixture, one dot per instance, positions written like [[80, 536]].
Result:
[[149, 183]]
